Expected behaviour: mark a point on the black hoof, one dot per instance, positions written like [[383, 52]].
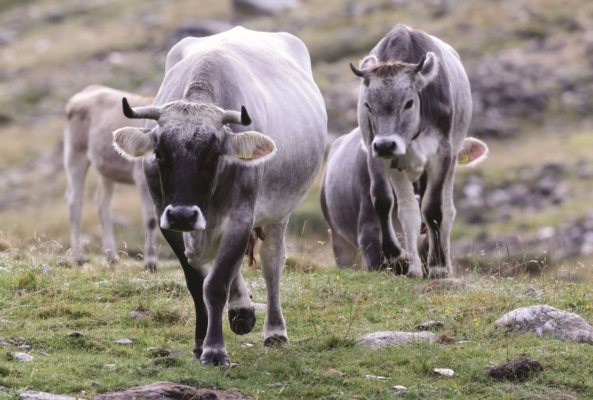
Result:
[[242, 320], [215, 359], [197, 351], [275, 340]]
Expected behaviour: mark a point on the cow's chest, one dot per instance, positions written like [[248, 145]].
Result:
[[419, 153], [202, 247]]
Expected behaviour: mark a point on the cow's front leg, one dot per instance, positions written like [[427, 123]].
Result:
[[408, 213], [383, 203], [194, 277], [438, 213], [217, 284], [240, 308], [273, 255]]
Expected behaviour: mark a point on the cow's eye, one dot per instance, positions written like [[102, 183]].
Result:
[[409, 104], [368, 107]]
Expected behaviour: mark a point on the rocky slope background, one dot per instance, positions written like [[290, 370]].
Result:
[[529, 207]]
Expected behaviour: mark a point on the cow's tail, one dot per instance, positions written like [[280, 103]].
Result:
[[257, 233]]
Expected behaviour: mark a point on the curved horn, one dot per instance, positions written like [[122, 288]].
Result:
[[235, 117], [356, 71], [149, 112], [419, 66]]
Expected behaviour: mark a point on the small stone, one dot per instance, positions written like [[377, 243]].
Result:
[[399, 389], [141, 314], [430, 325], [33, 395], [275, 385], [5, 342], [382, 339], [377, 377], [23, 357], [247, 345], [75, 335], [444, 371], [124, 341], [234, 365], [333, 372], [24, 347], [109, 366]]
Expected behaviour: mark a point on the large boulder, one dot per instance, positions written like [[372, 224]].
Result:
[[262, 7], [544, 320]]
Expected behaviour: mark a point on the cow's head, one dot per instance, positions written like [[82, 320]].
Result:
[[187, 145], [390, 101]]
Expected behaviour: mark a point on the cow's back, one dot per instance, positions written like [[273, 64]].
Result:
[[93, 114], [269, 74]]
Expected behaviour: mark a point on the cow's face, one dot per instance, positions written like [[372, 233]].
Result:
[[390, 95], [187, 146]]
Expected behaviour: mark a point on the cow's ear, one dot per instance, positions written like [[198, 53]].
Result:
[[427, 69], [473, 151], [249, 147], [132, 143]]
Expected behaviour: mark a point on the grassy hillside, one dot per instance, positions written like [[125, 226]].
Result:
[[50, 50]]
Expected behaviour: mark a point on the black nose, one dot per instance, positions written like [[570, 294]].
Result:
[[384, 147], [182, 218]]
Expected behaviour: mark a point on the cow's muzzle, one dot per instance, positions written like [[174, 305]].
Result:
[[388, 147], [183, 218]]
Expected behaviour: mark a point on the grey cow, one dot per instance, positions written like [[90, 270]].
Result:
[[414, 109], [214, 181], [92, 115], [353, 187]]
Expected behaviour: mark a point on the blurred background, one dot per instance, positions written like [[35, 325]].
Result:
[[529, 207]]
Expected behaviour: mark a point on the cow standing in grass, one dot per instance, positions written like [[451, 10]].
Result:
[[414, 109], [214, 180], [92, 115], [352, 187]]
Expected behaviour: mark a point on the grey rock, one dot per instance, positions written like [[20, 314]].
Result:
[[387, 338], [544, 320], [124, 341], [32, 395], [23, 357], [262, 7], [141, 314], [170, 391]]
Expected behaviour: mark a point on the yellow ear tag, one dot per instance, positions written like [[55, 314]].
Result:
[[138, 153], [247, 156], [463, 159]]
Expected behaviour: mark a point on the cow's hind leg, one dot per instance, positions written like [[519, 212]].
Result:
[[150, 221], [344, 252], [103, 198], [369, 237], [273, 255], [240, 308], [76, 164]]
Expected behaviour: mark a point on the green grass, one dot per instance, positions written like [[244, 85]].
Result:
[[326, 311]]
